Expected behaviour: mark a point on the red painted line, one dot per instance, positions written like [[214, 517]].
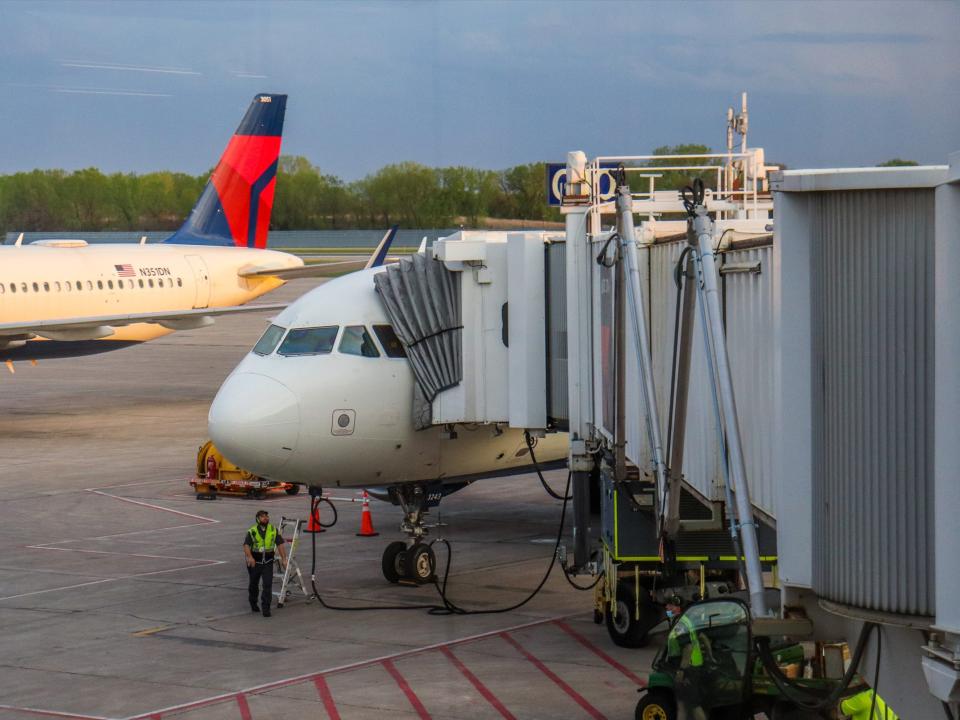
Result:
[[327, 697], [599, 653], [577, 697], [286, 682], [475, 681], [244, 707], [407, 690]]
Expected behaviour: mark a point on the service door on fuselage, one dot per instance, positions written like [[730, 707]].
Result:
[[201, 279]]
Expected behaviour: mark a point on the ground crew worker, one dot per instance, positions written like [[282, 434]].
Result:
[[259, 545], [691, 677]]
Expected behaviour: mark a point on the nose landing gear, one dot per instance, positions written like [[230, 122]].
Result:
[[412, 561]]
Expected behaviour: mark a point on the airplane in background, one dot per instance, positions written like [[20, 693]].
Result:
[[325, 399], [65, 298]]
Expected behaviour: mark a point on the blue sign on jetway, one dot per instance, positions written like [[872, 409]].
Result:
[[557, 181]]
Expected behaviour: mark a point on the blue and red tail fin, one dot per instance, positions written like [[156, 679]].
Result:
[[235, 206]]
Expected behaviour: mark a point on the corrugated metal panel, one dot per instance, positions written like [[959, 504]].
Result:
[[873, 434], [558, 401], [749, 322], [701, 458]]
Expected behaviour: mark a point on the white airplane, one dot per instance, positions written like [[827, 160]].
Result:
[[64, 298], [325, 399]]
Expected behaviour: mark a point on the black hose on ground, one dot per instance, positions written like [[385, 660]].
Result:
[[451, 608]]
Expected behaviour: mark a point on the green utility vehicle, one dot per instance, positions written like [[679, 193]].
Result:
[[710, 668]]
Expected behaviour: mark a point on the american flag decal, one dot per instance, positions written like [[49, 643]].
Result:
[[124, 270]]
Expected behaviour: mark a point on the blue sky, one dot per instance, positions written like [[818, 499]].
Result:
[[140, 86]]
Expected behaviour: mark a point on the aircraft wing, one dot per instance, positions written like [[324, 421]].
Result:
[[93, 327], [303, 271], [377, 257]]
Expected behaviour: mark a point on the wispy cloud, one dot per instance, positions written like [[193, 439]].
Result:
[[71, 90], [97, 91], [254, 76], [844, 38], [131, 68]]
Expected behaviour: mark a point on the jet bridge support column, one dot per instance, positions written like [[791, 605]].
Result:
[[710, 295], [579, 346], [642, 344]]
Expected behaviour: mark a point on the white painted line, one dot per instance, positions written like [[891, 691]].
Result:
[[108, 552], [52, 713], [207, 563], [95, 491], [138, 484]]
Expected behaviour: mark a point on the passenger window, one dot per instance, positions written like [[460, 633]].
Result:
[[179, 282], [13, 287], [130, 284], [89, 285], [150, 282], [3, 288], [57, 285], [110, 284], [357, 341], [268, 342], [36, 288], [23, 287], [140, 282], [99, 284], [309, 341], [46, 287], [391, 343]]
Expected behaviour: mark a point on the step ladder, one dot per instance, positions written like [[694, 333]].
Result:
[[292, 570]]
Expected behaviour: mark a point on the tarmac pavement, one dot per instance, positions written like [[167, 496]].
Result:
[[123, 596]]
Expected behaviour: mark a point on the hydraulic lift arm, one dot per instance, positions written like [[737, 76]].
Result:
[[704, 286]]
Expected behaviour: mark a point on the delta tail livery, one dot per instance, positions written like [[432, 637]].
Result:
[[64, 298]]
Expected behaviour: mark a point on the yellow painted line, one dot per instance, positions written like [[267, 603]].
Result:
[[152, 631]]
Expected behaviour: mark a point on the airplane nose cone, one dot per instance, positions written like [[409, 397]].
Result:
[[255, 422]]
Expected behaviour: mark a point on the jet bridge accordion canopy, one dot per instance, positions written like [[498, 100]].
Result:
[[422, 299]]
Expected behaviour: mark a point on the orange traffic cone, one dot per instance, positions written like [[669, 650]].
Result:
[[366, 519], [313, 524]]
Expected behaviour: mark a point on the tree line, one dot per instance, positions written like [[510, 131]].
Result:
[[306, 198]]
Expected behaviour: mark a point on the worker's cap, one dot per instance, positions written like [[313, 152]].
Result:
[[262, 512]]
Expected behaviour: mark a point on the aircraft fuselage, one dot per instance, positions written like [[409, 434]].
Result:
[[338, 417]]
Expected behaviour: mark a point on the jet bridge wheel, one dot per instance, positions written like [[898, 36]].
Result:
[[394, 561], [625, 628]]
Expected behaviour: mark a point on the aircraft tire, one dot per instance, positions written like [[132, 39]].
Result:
[[394, 561], [421, 563]]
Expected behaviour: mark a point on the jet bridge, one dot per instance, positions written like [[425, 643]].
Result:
[[541, 336]]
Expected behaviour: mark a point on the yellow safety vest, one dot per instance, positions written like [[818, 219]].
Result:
[[263, 544], [858, 707], [696, 654]]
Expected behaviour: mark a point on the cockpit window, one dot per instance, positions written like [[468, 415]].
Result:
[[391, 343], [357, 341], [268, 342], [309, 341]]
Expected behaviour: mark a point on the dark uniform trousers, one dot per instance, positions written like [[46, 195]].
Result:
[[261, 572]]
